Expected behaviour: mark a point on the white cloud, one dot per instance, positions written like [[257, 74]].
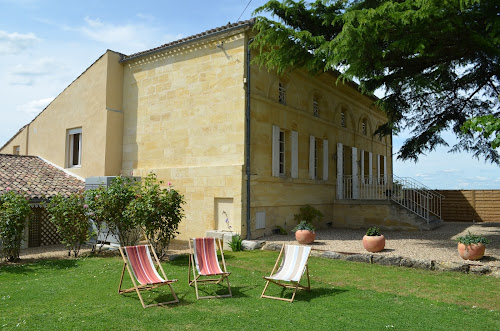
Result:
[[423, 175], [23, 74], [15, 43], [125, 38], [35, 107], [481, 178], [451, 171]]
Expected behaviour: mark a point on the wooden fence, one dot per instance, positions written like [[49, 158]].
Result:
[[471, 205]]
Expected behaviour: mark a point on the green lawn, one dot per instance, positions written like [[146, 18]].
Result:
[[82, 294]]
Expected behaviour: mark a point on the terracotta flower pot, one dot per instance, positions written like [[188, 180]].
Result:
[[374, 243], [305, 236], [471, 252]]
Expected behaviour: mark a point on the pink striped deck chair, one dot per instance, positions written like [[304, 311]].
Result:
[[204, 263], [140, 266], [293, 266]]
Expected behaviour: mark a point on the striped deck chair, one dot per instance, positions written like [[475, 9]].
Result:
[[293, 265], [140, 266], [204, 263]]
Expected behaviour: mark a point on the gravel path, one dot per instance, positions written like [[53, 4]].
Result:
[[437, 244]]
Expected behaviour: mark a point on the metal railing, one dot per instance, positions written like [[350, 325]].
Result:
[[405, 191]]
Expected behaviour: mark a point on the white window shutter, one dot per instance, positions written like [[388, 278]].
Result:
[[325, 159], [362, 167], [340, 171], [355, 179], [276, 151], [370, 167], [295, 154], [311, 157]]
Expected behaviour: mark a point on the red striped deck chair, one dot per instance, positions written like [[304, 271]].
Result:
[[142, 271], [293, 266], [204, 263]]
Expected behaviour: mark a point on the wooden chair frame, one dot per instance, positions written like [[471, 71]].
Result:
[[285, 284], [146, 287], [200, 279]]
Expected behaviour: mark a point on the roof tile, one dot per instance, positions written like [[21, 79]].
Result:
[[35, 177]]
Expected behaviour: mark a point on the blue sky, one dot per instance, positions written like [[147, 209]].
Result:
[[45, 45]]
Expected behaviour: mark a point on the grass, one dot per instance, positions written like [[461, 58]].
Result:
[[82, 294]]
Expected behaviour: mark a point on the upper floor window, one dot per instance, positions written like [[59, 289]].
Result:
[[282, 153], [16, 150], [363, 127], [315, 106], [342, 119], [74, 149], [282, 93]]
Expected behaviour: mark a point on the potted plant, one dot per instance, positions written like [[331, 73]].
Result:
[[304, 231], [373, 241], [471, 247]]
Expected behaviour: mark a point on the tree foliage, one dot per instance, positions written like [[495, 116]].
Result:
[[14, 210], [436, 61], [69, 215], [158, 211]]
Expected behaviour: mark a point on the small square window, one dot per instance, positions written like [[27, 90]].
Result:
[[16, 150], [74, 149]]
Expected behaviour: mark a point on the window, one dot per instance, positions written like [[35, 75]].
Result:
[[363, 127], [315, 106], [318, 158], [282, 153], [16, 150], [74, 147], [282, 93], [342, 119]]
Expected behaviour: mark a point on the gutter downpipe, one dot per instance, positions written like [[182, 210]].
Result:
[[247, 144]]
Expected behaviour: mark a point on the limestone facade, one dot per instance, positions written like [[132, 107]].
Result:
[[180, 111]]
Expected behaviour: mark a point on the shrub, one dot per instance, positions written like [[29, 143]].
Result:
[[471, 239], [373, 231], [308, 214], [304, 226], [236, 243], [158, 211], [97, 213], [112, 208], [14, 210], [69, 215]]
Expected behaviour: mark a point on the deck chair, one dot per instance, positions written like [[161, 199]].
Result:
[[203, 262], [140, 266], [292, 267]]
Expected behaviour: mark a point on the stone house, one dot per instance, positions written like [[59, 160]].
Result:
[[245, 146]]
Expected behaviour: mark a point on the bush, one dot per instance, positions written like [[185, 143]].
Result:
[[158, 211], [236, 243], [112, 207], [308, 214], [69, 215], [471, 239], [373, 231], [14, 210], [304, 226]]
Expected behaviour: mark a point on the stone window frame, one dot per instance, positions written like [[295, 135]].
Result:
[[74, 148]]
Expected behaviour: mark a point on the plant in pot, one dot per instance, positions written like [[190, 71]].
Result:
[[373, 241], [471, 246], [304, 230]]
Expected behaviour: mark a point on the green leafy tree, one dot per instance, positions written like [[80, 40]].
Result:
[[437, 62], [14, 212], [112, 207], [158, 211], [69, 215], [97, 213]]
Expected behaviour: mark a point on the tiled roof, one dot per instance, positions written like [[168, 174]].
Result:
[[225, 28], [35, 177]]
